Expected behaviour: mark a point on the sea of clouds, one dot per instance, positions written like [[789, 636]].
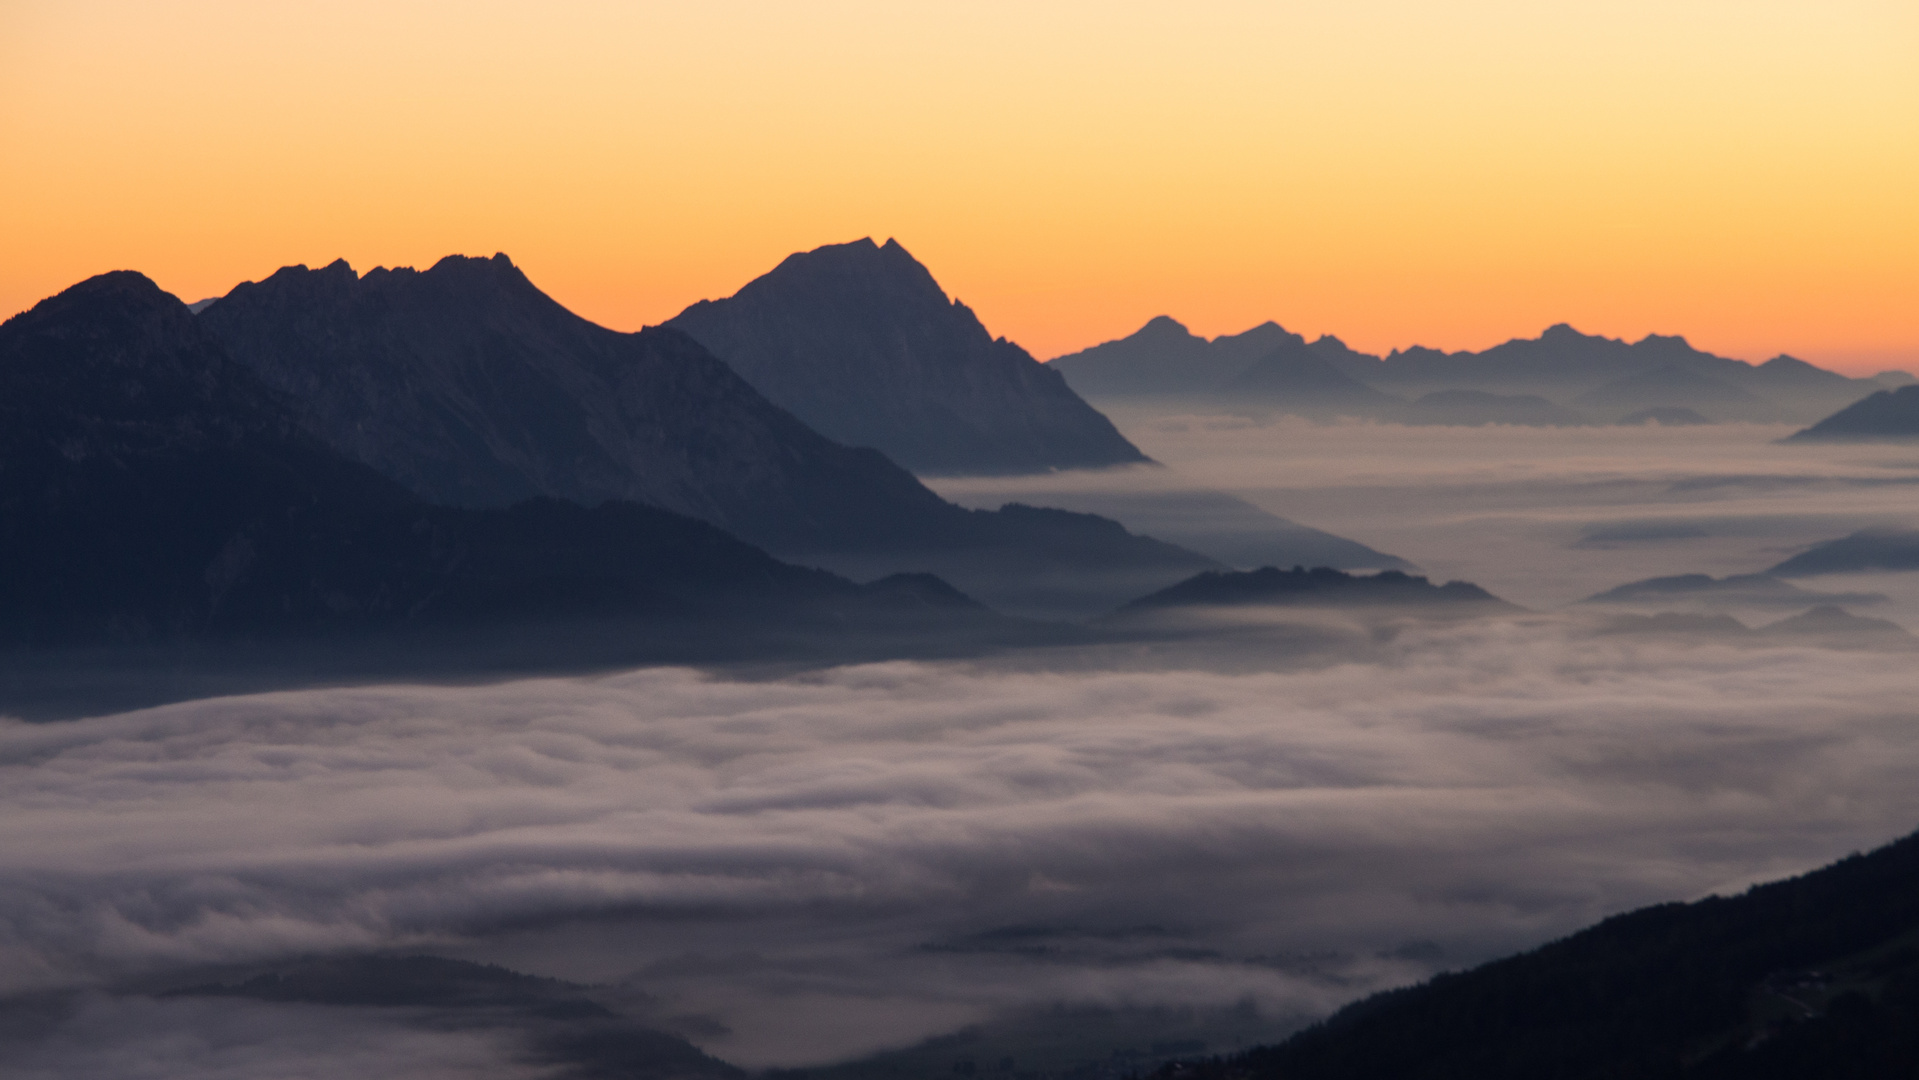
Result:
[[807, 868], [821, 866]]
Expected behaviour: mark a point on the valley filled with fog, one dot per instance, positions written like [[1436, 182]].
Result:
[[1217, 840]]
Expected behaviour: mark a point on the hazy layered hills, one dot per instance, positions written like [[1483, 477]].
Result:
[[1817, 976], [1886, 416], [154, 490], [470, 386], [862, 344], [1599, 379]]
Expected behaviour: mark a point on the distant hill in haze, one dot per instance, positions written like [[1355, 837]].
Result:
[[1745, 590], [1608, 378], [1295, 379], [153, 490], [861, 343], [1674, 386], [1867, 549], [1885, 416], [1321, 587], [471, 387], [1816, 976], [1473, 408]]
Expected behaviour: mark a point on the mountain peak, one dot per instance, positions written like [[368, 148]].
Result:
[[132, 297], [1561, 333], [861, 343]]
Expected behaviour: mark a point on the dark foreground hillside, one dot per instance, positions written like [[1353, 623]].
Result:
[[1813, 977]]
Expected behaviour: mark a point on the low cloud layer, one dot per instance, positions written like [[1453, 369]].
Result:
[[1541, 516], [808, 868]]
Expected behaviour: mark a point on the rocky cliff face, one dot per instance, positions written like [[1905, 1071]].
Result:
[[860, 342]]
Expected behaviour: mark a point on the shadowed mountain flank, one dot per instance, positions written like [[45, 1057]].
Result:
[[1885, 416], [862, 344], [1813, 976], [471, 387]]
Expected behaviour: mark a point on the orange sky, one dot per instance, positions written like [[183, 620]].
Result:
[[1392, 171]]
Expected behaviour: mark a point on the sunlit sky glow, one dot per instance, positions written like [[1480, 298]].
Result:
[[1392, 171]]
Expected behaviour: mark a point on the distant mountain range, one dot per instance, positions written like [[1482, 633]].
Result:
[[861, 343], [471, 387], [1584, 378], [1816, 976]]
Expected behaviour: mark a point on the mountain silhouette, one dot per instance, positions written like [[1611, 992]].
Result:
[[1885, 416], [153, 490], [471, 387], [862, 344]]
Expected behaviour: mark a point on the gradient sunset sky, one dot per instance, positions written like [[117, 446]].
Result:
[[1391, 171]]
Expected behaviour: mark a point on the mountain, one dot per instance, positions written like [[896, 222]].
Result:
[[1164, 359], [1674, 386], [861, 343], [1885, 416], [1658, 374], [1816, 976], [1475, 408], [1867, 549], [1746, 590], [154, 491], [1213, 523], [1830, 624], [1294, 379], [471, 387], [1320, 587]]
